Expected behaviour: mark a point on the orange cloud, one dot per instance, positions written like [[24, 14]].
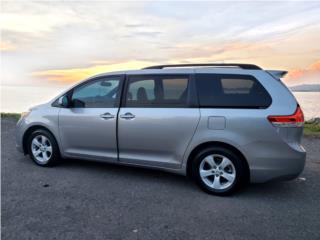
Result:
[[6, 46], [315, 66], [296, 73], [77, 74], [310, 74]]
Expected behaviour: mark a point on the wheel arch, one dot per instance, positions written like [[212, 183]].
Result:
[[29, 131], [216, 144]]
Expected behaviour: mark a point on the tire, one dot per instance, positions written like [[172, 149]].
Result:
[[222, 171], [43, 148]]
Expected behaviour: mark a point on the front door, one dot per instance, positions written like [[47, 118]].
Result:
[[156, 123], [88, 128]]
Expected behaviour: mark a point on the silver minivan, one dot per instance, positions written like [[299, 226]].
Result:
[[221, 124]]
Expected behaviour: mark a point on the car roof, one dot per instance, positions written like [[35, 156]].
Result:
[[189, 70]]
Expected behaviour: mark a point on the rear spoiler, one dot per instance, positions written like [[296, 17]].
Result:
[[277, 73]]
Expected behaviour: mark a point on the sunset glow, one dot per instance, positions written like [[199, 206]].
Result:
[[77, 74], [43, 44], [6, 46], [310, 74]]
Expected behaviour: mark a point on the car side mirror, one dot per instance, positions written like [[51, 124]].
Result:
[[63, 101]]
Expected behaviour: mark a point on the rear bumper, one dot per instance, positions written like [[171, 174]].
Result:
[[284, 162]]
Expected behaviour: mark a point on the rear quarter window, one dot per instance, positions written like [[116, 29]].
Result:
[[231, 91]]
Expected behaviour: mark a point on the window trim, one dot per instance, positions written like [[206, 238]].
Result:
[[219, 76], [190, 102]]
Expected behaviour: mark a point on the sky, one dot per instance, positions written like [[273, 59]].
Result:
[[57, 43]]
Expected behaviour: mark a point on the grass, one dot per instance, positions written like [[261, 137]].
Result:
[[311, 127], [10, 115]]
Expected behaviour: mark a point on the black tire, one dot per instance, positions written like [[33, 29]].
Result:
[[54, 157], [239, 167]]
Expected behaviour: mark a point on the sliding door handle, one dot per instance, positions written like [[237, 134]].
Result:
[[127, 116], [107, 116]]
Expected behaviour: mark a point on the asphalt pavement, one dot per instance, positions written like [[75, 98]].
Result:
[[89, 200]]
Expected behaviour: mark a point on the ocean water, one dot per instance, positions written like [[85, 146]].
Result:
[[19, 99], [310, 103]]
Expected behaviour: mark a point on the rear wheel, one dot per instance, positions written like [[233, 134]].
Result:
[[43, 148], [219, 171]]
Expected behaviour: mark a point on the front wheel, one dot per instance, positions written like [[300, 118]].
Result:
[[219, 171], [43, 148]]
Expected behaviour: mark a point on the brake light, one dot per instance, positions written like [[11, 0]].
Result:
[[294, 120]]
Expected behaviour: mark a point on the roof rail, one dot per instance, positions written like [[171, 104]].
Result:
[[240, 65]]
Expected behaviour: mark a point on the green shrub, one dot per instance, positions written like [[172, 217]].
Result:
[[10, 115], [312, 127]]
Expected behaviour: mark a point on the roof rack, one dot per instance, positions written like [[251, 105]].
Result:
[[240, 65]]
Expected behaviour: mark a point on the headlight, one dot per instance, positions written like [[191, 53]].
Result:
[[24, 114]]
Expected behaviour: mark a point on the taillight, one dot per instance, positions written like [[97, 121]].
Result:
[[294, 120]]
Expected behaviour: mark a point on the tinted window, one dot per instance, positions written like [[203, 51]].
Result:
[[231, 91], [157, 91], [135, 90], [175, 89], [101, 93]]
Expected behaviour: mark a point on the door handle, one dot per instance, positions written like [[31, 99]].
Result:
[[127, 116], [107, 115]]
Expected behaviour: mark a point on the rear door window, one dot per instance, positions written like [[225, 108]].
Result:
[[157, 91], [231, 91]]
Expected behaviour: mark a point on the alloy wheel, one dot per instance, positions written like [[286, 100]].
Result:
[[217, 171], [41, 148]]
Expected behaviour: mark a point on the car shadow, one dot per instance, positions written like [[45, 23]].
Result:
[[133, 173], [278, 190], [126, 171]]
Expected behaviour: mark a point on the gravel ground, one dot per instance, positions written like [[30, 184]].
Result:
[[87, 200]]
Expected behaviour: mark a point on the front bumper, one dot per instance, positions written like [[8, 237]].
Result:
[[20, 129]]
